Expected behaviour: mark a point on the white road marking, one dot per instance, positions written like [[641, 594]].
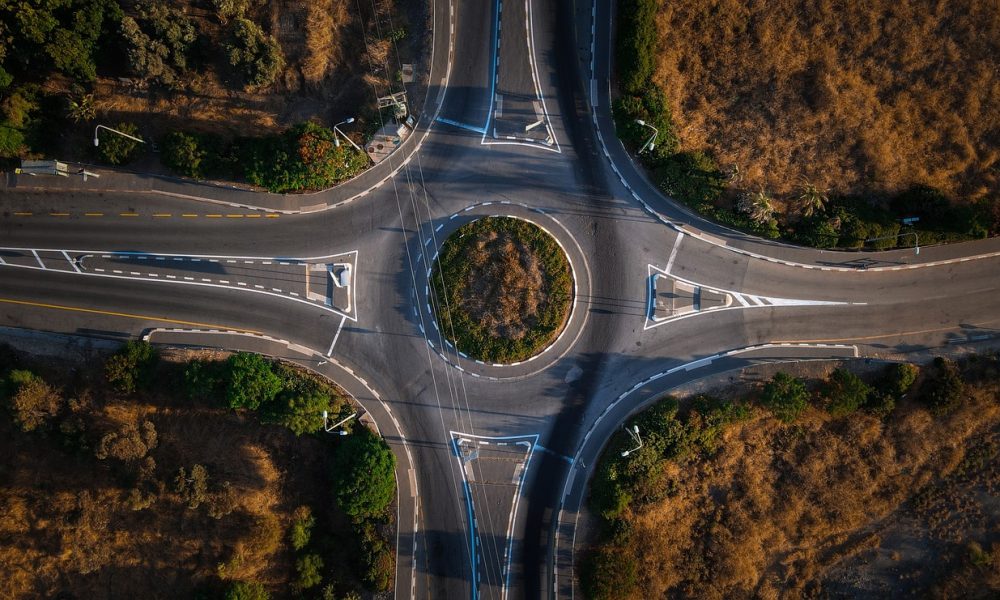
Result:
[[39, 259], [673, 252]]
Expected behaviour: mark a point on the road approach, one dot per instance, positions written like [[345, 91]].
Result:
[[492, 458]]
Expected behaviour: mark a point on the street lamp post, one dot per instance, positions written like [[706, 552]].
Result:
[[329, 429], [634, 432], [336, 130], [651, 142], [122, 133]]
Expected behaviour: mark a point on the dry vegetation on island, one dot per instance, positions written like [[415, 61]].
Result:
[[837, 491], [503, 289], [852, 98]]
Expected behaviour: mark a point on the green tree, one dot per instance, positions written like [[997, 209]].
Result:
[[131, 367], [899, 378], [301, 412], [252, 381], [302, 524], [845, 393], [812, 199], [204, 380], [228, 10], [256, 56], [309, 569], [364, 475], [183, 153], [32, 401], [944, 389], [786, 396], [247, 590], [116, 149], [193, 486], [158, 42]]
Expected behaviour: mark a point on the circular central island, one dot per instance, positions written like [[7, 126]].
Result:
[[502, 289]]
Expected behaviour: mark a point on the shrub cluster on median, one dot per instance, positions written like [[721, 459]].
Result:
[[695, 179], [304, 157]]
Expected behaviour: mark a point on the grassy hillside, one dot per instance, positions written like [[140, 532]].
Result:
[[133, 476], [853, 99], [888, 488], [822, 122]]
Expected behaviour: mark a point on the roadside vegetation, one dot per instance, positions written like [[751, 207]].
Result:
[[883, 485], [230, 89], [199, 473], [502, 289], [799, 121]]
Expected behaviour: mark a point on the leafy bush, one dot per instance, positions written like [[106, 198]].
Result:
[[182, 153], [944, 388], [252, 381], [205, 380], [608, 573], [380, 563], [845, 393], [129, 444], [636, 51], [785, 396], [116, 149], [309, 569], [257, 56], [898, 378], [32, 401], [193, 486], [303, 157], [650, 107], [247, 590], [364, 475], [300, 412], [131, 367], [691, 177], [302, 524]]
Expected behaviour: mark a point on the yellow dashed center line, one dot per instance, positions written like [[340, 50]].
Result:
[[26, 213]]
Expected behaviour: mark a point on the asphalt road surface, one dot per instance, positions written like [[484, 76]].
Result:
[[493, 459]]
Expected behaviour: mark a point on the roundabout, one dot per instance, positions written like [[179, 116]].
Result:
[[502, 289]]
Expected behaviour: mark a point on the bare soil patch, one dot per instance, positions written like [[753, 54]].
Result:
[[503, 288]]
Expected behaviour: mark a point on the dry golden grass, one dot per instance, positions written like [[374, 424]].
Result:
[[850, 98], [66, 524], [778, 508]]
